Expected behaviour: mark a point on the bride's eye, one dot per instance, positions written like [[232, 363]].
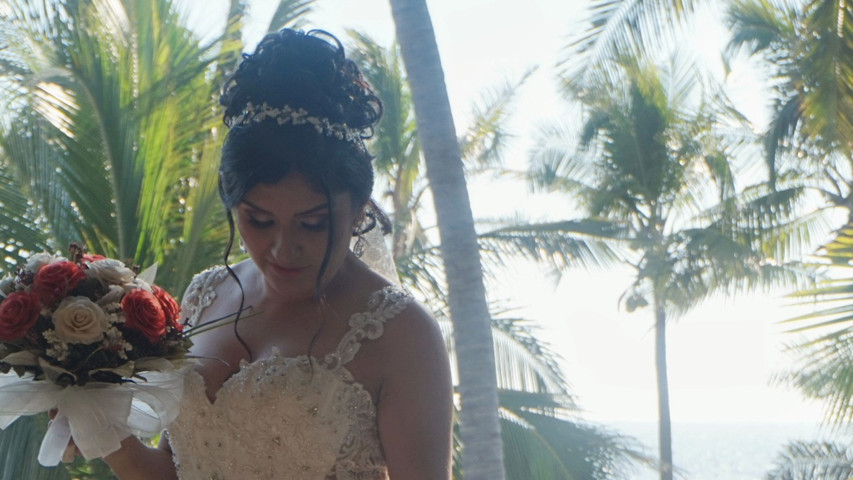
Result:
[[255, 222], [317, 223]]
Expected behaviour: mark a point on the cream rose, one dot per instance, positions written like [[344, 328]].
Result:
[[79, 320], [110, 272], [35, 262]]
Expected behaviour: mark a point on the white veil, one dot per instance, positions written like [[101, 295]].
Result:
[[377, 255]]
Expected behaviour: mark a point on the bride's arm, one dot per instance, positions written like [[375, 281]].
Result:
[[137, 461], [415, 407]]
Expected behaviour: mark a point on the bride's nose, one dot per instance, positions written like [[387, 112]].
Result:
[[286, 246]]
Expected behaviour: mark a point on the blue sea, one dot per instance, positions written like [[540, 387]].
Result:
[[722, 451]]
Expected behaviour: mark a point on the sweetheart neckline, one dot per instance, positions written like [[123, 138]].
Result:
[[245, 365]]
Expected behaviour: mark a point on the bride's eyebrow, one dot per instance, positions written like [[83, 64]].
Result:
[[255, 207], [316, 209]]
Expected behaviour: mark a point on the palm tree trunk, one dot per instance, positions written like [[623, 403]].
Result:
[[482, 458], [664, 420]]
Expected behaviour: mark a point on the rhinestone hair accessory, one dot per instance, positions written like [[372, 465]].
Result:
[[253, 114]]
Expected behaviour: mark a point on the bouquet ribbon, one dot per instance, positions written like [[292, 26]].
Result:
[[98, 416]]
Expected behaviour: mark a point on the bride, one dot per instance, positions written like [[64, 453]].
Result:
[[330, 372]]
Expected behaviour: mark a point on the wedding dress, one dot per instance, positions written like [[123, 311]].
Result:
[[284, 417]]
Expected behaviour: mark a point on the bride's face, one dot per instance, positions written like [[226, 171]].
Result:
[[285, 228]]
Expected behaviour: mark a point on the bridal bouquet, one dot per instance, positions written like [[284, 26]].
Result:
[[97, 341]]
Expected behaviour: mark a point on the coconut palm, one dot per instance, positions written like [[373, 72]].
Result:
[[652, 162], [809, 146], [540, 431], [480, 426]]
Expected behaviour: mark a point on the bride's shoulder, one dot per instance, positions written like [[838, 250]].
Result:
[[203, 281], [406, 321], [205, 287], [212, 278]]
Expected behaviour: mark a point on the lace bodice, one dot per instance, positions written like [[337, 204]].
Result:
[[282, 417]]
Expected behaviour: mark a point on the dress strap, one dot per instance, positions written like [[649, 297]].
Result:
[[382, 305], [201, 293]]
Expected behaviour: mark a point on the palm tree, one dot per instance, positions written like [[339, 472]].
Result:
[[653, 164], [540, 433], [809, 146], [480, 426]]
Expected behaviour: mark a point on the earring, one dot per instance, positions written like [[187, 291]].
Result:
[[242, 246], [358, 248]]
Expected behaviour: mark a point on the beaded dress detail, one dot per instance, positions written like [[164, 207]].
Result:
[[282, 417]]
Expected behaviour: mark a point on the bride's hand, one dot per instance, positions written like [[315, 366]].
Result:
[[71, 451]]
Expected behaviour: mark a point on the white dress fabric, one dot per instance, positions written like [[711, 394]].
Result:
[[281, 417]]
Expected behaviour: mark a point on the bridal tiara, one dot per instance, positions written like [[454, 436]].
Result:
[[253, 114]]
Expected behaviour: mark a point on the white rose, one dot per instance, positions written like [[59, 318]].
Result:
[[35, 262], [110, 272], [79, 320]]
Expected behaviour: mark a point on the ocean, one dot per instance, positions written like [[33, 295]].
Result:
[[721, 451]]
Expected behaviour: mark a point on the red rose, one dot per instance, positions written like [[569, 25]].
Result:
[[170, 308], [88, 257], [143, 313], [18, 313], [54, 280]]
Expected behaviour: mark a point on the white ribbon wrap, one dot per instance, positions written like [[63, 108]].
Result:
[[98, 416]]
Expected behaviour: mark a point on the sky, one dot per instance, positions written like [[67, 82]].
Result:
[[721, 356]]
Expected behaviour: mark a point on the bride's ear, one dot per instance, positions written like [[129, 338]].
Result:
[[362, 221]]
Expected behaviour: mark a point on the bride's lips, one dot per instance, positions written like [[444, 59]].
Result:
[[287, 272]]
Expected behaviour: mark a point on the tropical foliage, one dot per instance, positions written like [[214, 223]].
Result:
[[541, 433], [107, 134], [655, 165], [806, 46], [810, 460], [823, 352], [623, 28]]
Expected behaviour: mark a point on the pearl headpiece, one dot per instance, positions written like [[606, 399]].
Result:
[[253, 114]]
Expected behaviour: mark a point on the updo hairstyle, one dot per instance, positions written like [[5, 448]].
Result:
[[307, 71]]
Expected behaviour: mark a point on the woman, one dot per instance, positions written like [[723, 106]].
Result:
[[330, 372]]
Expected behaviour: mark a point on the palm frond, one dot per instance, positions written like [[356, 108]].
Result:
[[540, 446], [758, 25], [554, 165], [290, 13], [485, 139], [810, 460], [588, 242], [524, 363], [621, 28], [823, 359]]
